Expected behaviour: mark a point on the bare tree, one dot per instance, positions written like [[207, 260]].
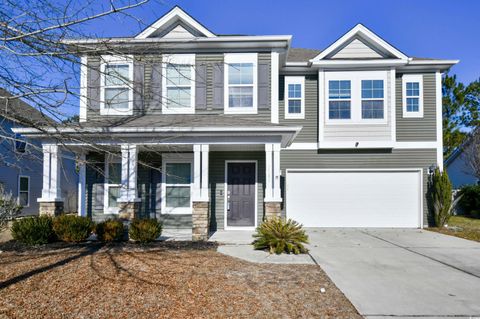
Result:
[[472, 153]]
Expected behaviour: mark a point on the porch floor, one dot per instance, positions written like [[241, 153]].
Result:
[[232, 237]]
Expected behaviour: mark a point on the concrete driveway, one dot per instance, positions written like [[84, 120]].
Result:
[[401, 273]]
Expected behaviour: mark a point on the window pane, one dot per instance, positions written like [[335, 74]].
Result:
[[339, 110], [113, 195], [413, 89], [372, 89], [294, 106], [117, 98], [23, 184], [179, 74], [178, 173], [23, 198], [240, 73], [240, 96], [339, 89], [114, 173], [116, 74], [177, 196], [372, 109], [413, 104], [178, 97], [294, 91], [20, 144]]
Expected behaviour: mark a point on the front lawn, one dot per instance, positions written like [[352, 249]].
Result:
[[161, 280], [464, 227]]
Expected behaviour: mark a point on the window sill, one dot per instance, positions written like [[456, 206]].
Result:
[[294, 116], [178, 111], [412, 115], [241, 111], [350, 122], [108, 112]]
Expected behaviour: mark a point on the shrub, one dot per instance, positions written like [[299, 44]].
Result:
[[35, 230], [470, 201], [110, 230], [9, 208], [72, 228], [145, 230], [440, 194], [278, 236]]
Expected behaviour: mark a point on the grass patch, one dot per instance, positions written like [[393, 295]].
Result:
[[463, 227]]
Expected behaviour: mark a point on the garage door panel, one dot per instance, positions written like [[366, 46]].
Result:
[[354, 198]]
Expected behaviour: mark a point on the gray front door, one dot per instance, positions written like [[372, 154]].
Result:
[[241, 194]]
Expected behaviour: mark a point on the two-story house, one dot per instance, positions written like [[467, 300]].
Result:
[[217, 131]]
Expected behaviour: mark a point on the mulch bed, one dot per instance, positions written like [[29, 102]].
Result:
[[160, 280]]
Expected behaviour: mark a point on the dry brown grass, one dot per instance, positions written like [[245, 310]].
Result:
[[127, 281]]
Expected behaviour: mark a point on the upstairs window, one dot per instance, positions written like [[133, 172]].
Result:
[[24, 191], [294, 97], [20, 144], [241, 83], [339, 99], [179, 84], [412, 95], [117, 86], [372, 99]]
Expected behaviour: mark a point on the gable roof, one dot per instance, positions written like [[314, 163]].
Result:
[[20, 112], [171, 20], [459, 150]]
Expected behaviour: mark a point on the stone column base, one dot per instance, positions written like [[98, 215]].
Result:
[[200, 221], [273, 210], [128, 210], [50, 208]]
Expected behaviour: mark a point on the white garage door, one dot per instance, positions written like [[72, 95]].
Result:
[[354, 198]]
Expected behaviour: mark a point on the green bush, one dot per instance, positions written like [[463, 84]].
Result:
[[36, 230], [278, 236], [440, 195], [72, 228], [145, 230], [470, 201], [110, 230]]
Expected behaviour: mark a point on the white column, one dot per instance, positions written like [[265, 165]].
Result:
[[272, 173], [51, 191], [439, 110], [204, 186], [268, 172], [129, 173], [82, 185], [200, 173], [276, 172]]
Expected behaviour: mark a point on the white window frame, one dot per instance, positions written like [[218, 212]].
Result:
[[407, 78], [186, 59], [384, 100], [106, 185], [295, 80], [28, 191], [118, 60], [356, 78], [176, 158], [230, 58]]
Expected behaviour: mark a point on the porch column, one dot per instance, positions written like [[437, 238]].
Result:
[[129, 203], [51, 202], [273, 198], [200, 196], [81, 162]]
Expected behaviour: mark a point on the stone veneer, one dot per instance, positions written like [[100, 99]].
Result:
[[51, 208], [272, 209], [128, 210], [200, 221]]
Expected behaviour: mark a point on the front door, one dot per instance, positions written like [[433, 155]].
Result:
[[241, 180]]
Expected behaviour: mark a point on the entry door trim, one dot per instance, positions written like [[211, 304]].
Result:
[[225, 226]]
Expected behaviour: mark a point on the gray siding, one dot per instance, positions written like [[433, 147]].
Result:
[[415, 158], [309, 132], [217, 184], [417, 129], [356, 49]]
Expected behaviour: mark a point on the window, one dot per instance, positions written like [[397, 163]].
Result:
[[20, 144], [412, 95], [177, 185], [179, 84], [372, 99], [117, 86], [24, 191], [241, 83], [339, 96], [294, 97], [113, 184]]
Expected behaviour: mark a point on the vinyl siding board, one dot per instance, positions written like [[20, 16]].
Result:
[[417, 129], [356, 49]]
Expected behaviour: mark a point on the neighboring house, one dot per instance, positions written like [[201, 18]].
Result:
[[21, 163], [222, 131], [458, 170]]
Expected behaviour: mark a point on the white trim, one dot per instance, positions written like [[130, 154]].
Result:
[[112, 60], [204, 191], [82, 184], [396, 145], [178, 59], [51, 183], [439, 114], [294, 80], [83, 88], [302, 146], [129, 156], [274, 67], [110, 159], [28, 191], [360, 29], [335, 64], [176, 158], [356, 144], [434, 62], [412, 78], [230, 58], [393, 104], [178, 13], [321, 104], [225, 226]]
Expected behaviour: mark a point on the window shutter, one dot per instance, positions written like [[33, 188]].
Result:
[[138, 80], [218, 70], [94, 85], [156, 87], [263, 86], [200, 84]]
